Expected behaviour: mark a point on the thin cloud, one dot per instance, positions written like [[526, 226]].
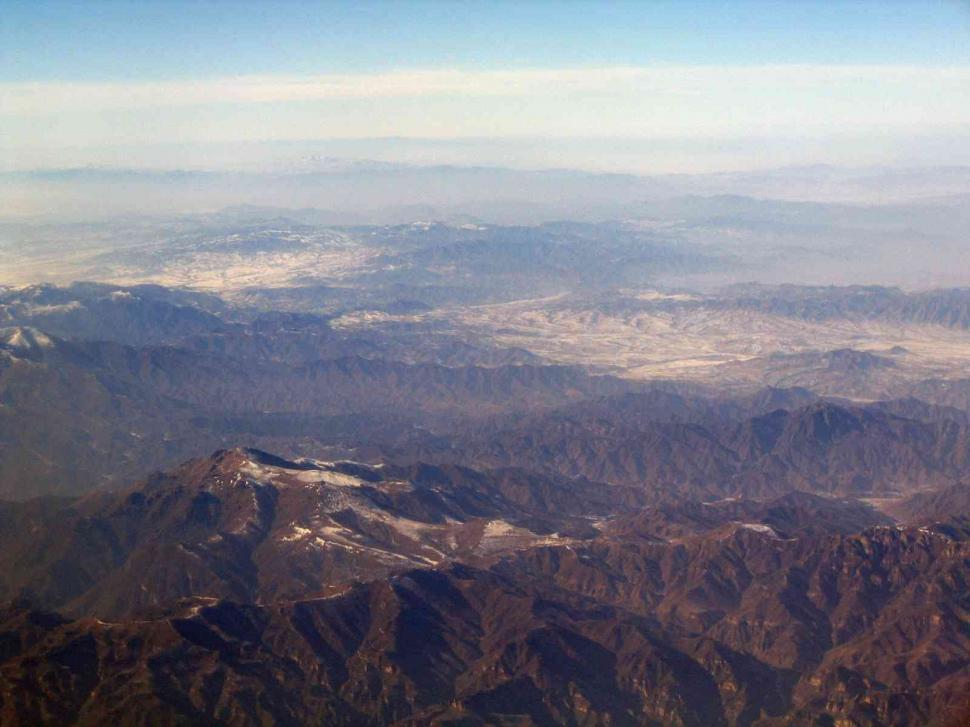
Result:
[[30, 99]]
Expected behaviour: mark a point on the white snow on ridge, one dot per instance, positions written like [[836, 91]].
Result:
[[322, 475], [760, 528], [501, 528], [336, 479], [44, 310]]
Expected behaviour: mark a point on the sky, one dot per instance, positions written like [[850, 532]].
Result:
[[169, 82]]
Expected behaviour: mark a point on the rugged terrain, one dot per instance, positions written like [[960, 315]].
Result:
[[786, 611], [276, 469]]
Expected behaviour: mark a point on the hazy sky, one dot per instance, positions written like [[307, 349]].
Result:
[[78, 81]]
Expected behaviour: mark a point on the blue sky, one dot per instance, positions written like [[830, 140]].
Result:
[[88, 75], [103, 40]]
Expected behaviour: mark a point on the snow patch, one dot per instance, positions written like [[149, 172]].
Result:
[[501, 529], [760, 528], [322, 475], [47, 310], [336, 479]]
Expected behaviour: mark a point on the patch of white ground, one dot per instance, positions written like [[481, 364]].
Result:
[[218, 271], [165, 257], [692, 342]]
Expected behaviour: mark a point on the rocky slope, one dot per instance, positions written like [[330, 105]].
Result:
[[733, 628], [252, 527]]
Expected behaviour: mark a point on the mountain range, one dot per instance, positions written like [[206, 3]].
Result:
[[231, 586], [270, 469]]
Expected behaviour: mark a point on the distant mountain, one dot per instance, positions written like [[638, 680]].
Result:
[[945, 392], [668, 402], [912, 408], [822, 447], [933, 506], [795, 515], [375, 189], [144, 377], [138, 315], [82, 414], [843, 373], [949, 307]]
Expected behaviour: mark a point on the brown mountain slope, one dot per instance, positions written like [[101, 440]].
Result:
[[822, 447], [246, 525], [928, 507], [733, 628]]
